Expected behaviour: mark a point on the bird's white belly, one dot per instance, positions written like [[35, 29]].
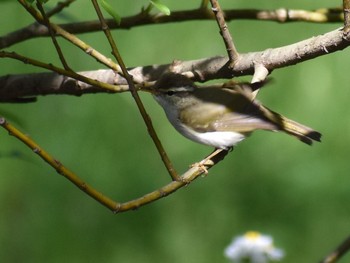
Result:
[[218, 139]]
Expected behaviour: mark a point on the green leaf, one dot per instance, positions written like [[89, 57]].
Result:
[[109, 9], [161, 7]]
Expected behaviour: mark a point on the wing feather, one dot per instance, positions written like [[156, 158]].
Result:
[[225, 110]]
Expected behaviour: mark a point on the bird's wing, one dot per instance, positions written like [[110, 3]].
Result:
[[200, 117], [225, 110], [243, 123]]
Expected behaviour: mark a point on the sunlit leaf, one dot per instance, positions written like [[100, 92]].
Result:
[[161, 7], [110, 10]]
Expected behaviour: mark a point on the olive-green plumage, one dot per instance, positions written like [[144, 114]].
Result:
[[221, 116]]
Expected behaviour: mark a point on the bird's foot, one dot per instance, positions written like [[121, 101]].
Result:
[[207, 162]]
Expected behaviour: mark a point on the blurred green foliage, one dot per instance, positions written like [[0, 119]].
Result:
[[269, 183]]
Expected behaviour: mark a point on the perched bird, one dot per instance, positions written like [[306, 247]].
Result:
[[221, 116]]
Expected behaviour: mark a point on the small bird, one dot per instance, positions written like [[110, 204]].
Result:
[[221, 116]]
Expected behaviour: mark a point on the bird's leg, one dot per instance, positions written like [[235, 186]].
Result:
[[207, 161]]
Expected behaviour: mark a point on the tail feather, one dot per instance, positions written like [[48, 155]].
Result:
[[302, 132]]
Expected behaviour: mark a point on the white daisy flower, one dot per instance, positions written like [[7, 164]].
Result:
[[253, 247]]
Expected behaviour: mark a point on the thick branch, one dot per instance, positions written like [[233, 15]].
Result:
[[15, 86]]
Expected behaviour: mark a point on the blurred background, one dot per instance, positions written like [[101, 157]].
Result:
[[270, 183]]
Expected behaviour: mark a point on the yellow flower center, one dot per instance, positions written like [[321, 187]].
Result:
[[252, 235]]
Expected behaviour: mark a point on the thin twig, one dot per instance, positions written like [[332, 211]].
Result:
[[72, 38], [57, 165], [59, 7], [346, 11], [325, 15], [340, 251], [115, 207], [46, 22], [225, 33], [108, 87], [136, 96]]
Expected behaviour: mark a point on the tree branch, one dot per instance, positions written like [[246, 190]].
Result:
[[135, 95], [281, 15], [16, 86], [46, 22], [346, 13], [116, 207], [71, 38], [338, 253], [225, 33]]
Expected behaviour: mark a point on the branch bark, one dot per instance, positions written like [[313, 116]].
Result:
[[281, 15], [338, 252], [18, 86], [225, 32], [116, 207]]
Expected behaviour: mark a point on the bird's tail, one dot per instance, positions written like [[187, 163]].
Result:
[[300, 131]]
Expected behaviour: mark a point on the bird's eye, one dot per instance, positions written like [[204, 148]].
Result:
[[170, 92]]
